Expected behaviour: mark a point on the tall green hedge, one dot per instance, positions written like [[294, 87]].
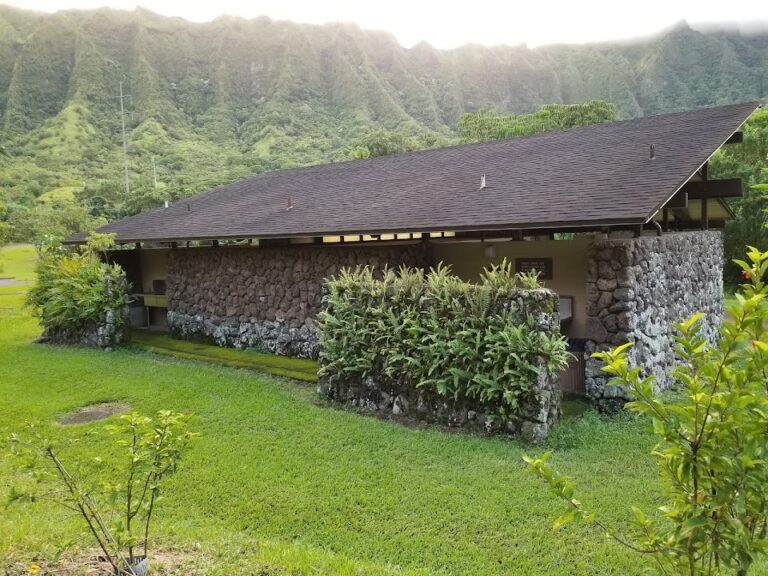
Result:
[[440, 334], [76, 290]]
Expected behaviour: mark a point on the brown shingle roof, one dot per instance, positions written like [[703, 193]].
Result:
[[595, 175]]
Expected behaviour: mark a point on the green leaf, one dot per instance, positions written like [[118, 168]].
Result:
[[566, 518]]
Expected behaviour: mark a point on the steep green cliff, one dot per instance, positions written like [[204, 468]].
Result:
[[219, 101]]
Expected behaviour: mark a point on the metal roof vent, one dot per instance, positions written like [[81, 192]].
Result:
[[483, 185], [653, 152], [165, 204], [290, 203]]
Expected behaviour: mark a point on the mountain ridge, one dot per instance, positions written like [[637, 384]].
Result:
[[217, 101]]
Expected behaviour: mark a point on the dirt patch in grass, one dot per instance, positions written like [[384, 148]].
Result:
[[92, 563], [94, 412]]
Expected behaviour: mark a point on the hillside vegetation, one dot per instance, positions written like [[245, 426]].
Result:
[[215, 102]]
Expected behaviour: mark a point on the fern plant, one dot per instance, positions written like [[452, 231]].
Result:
[[437, 333]]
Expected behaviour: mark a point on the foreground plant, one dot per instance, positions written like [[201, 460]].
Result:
[[712, 448], [118, 514]]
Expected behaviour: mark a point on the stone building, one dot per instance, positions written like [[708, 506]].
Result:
[[620, 219]]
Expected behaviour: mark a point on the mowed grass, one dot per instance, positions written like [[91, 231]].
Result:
[[277, 480], [17, 262]]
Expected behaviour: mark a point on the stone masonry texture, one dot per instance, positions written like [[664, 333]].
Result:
[[636, 289], [265, 297]]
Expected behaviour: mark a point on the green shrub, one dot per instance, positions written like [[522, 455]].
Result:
[[440, 334], [76, 289], [118, 513], [712, 443]]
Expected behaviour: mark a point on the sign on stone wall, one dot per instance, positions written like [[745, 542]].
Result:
[[541, 265]]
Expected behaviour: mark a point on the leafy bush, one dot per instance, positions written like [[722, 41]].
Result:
[[490, 125], [438, 333], [712, 447], [77, 290], [5, 233], [118, 514], [59, 218]]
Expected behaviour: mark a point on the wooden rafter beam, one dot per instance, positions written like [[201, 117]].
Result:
[[679, 200], [696, 225], [728, 188]]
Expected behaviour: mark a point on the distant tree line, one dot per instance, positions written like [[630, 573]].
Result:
[[491, 125]]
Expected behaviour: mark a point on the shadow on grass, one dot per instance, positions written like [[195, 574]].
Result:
[[162, 343]]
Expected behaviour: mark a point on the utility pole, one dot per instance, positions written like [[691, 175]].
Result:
[[125, 142], [154, 172]]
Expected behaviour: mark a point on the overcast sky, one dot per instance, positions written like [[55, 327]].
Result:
[[451, 23]]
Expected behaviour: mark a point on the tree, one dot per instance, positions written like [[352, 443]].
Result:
[[58, 218], [118, 513], [748, 161], [748, 227], [5, 233], [359, 153], [490, 125], [5, 228], [142, 198], [382, 142], [711, 448]]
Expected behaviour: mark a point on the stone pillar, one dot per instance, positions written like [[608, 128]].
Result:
[[636, 289]]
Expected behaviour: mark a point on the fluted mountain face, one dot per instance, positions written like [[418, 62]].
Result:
[[218, 101]]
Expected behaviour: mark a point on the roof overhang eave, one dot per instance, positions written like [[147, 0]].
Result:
[[564, 226], [699, 167]]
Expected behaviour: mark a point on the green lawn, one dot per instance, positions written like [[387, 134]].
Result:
[[17, 262], [278, 480]]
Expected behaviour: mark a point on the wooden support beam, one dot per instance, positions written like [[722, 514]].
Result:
[[279, 242], [736, 138], [679, 200], [705, 214], [728, 188], [696, 225], [665, 218]]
